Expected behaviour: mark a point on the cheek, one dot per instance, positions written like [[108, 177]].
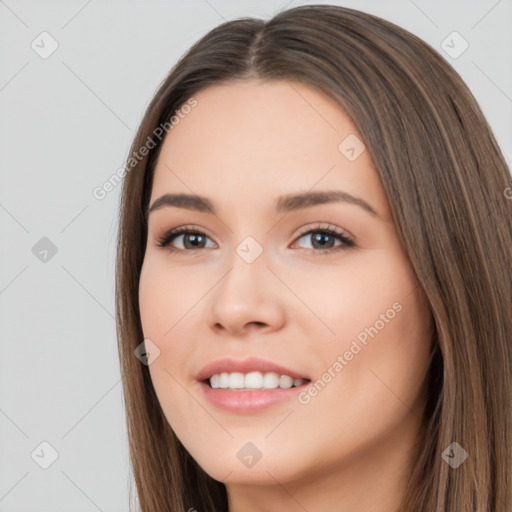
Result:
[[379, 364], [365, 290], [377, 359], [372, 393], [170, 304], [165, 297]]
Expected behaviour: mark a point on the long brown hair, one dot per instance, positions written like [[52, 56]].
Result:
[[449, 190]]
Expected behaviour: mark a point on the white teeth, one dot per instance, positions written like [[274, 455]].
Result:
[[236, 380], [223, 380], [286, 382], [270, 380], [253, 380], [215, 380]]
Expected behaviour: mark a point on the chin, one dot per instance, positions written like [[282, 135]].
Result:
[[242, 464]]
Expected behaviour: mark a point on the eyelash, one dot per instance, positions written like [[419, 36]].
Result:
[[347, 242]]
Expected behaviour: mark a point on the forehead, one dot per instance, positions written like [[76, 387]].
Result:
[[250, 139], [249, 114]]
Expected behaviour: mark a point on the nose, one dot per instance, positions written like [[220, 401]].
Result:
[[247, 298]]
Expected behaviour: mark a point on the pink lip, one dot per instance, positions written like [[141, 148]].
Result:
[[251, 364], [247, 401]]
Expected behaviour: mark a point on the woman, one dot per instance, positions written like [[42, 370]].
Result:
[[367, 370]]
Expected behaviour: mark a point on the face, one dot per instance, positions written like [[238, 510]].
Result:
[[320, 287]]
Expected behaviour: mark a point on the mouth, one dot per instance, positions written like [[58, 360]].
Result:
[[249, 393], [253, 381], [250, 385]]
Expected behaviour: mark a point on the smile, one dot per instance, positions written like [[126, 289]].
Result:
[[253, 380]]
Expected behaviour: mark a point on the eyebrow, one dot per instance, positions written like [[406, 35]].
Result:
[[285, 203]]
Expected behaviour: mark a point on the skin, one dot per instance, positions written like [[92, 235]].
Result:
[[351, 447]]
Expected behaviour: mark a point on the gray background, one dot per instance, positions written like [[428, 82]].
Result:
[[65, 127]]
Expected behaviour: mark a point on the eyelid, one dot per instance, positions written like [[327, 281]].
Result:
[[325, 226]]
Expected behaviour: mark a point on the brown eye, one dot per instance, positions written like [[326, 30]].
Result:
[[191, 239], [323, 240]]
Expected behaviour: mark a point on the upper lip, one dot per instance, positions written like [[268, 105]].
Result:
[[250, 364]]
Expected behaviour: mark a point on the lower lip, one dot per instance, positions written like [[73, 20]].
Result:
[[248, 401]]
